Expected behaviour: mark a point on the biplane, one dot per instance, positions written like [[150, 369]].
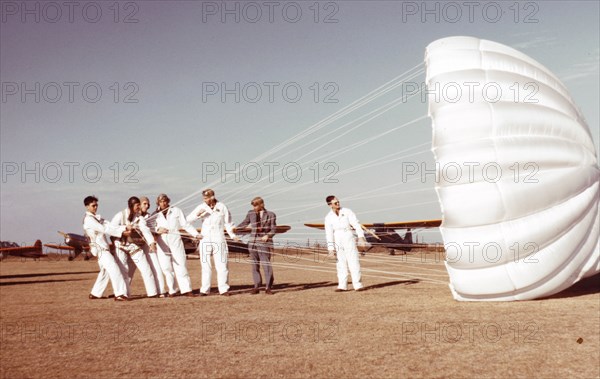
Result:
[[386, 234], [34, 251]]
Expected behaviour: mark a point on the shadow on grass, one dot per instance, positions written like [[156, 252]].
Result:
[[393, 283], [38, 282], [46, 274], [292, 287], [289, 287], [586, 286]]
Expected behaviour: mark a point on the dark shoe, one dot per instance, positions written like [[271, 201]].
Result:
[[226, 294], [174, 294], [203, 294], [340, 290], [254, 291], [189, 294], [92, 297], [268, 292], [121, 298]]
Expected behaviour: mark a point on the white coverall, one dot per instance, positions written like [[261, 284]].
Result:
[[338, 231], [152, 257], [131, 255], [97, 229], [171, 251], [214, 221]]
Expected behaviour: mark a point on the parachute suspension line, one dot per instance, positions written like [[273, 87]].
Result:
[[349, 108], [400, 207], [285, 190], [377, 112], [402, 274], [391, 104], [380, 161], [333, 271], [373, 138], [336, 152]]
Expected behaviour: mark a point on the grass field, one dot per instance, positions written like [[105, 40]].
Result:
[[405, 324]]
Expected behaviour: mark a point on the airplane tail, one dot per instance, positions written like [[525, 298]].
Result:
[[38, 247]]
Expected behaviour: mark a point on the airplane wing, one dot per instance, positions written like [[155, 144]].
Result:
[[392, 225], [278, 229], [34, 251], [59, 247]]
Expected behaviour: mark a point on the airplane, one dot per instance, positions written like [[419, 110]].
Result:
[[34, 251], [384, 234], [76, 244], [191, 245]]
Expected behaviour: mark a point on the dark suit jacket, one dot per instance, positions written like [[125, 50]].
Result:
[[268, 223]]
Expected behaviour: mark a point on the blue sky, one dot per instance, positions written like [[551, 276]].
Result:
[[167, 111]]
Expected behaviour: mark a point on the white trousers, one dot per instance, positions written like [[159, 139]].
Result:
[[173, 265], [129, 262], [159, 278], [109, 269], [219, 252], [347, 259], [163, 255]]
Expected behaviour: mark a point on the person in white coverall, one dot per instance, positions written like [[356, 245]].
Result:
[[170, 249], [130, 250], [152, 255], [215, 218], [339, 223], [97, 229]]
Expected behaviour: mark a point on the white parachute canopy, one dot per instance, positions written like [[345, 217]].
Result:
[[518, 173]]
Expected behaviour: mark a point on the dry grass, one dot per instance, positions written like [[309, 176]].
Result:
[[399, 327]]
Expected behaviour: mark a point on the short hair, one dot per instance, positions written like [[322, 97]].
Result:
[[89, 199], [329, 198], [257, 200], [144, 198], [208, 192], [161, 197]]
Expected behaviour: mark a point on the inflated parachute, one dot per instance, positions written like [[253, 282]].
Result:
[[518, 173]]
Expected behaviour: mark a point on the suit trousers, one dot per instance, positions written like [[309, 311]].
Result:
[[260, 255]]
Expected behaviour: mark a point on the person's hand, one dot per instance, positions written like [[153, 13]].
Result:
[[236, 239], [129, 227], [362, 245], [162, 230], [331, 254], [264, 238], [153, 247], [198, 237], [126, 233]]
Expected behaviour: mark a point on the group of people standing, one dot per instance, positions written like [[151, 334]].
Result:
[[152, 242]]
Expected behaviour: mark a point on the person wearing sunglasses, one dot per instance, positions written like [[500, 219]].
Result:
[[339, 224]]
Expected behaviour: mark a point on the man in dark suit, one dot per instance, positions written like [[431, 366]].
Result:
[[262, 224]]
